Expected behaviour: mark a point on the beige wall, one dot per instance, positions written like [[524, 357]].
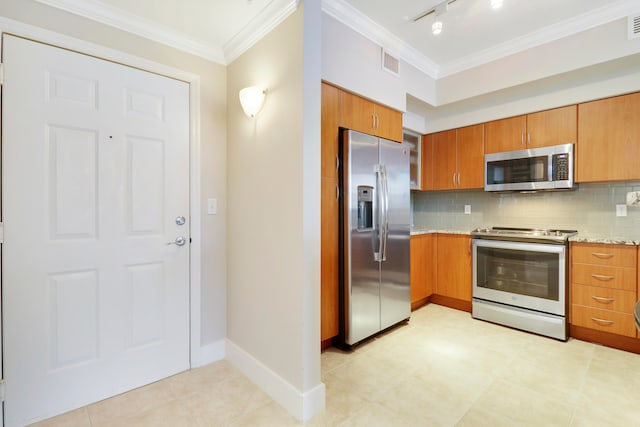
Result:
[[273, 186], [213, 137]]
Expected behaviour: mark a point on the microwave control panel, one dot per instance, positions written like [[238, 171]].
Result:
[[561, 167]]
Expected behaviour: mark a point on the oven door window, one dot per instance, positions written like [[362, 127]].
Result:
[[529, 273]]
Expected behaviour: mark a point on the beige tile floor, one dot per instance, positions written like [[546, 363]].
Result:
[[441, 369]]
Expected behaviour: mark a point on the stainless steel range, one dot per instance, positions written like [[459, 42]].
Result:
[[520, 278]]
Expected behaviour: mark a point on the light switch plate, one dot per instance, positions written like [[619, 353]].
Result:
[[621, 210], [467, 209], [212, 206], [633, 198]]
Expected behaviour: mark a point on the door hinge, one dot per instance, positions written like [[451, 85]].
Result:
[[1, 232], [1, 74], [3, 387]]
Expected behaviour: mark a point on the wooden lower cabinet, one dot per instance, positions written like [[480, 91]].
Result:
[[453, 271], [603, 293], [423, 272]]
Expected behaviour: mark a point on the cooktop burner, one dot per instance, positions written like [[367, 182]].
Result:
[[524, 234]]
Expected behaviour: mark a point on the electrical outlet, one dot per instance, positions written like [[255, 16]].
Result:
[[633, 198], [467, 209], [621, 210]]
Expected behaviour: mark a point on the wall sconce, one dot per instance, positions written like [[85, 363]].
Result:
[[252, 99]]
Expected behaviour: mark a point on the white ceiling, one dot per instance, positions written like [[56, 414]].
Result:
[[473, 33]]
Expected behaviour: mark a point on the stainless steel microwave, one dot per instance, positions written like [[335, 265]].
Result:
[[544, 168]]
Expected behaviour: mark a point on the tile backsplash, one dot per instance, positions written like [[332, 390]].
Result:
[[590, 209]]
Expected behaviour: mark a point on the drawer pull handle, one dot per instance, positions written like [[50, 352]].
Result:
[[606, 322], [605, 256], [601, 277], [602, 299]]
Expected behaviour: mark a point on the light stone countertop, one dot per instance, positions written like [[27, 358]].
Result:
[[583, 238], [580, 237], [416, 232]]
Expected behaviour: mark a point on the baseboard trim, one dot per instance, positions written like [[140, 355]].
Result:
[[451, 302], [302, 405], [211, 353], [605, 338]]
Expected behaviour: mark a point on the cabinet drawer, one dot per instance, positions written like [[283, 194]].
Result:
[[603, 320], [599, 254], [603, 276], [604, 298]]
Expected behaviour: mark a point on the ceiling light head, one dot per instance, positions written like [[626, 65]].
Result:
[[436, 27], [496, 4], [252, 99]]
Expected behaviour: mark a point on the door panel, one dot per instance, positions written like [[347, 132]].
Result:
[[395, 299], [362, 271], [95, 171]]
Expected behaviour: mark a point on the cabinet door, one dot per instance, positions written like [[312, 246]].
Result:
[[329, 258], [388, 123], [505, 134], [552, 127], [329, 130], [426, 166], [423, 271], [609, 131], [356, 113], [453, 269], [444, 160], [471, 157]]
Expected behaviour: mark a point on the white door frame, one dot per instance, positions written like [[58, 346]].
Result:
[[39, 34]]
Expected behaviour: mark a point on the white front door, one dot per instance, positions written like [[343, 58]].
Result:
[[95, 179]]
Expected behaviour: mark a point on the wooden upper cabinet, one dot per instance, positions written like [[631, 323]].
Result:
[[541, 129], [552, 127], [329, 130], [444, 160], [366, 116], [388, 122], [471, 157], [608, 145], [458, 158], [426, 163], [505, 134]]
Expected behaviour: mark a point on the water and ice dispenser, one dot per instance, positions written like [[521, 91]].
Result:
[[365, 207]]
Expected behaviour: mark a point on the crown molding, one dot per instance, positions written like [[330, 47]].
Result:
[[357, 21], [276, 12], [261, 25], [596, 17], [360, 23], [122, 20]]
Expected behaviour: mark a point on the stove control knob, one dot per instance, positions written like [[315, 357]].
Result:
[[558, 233]]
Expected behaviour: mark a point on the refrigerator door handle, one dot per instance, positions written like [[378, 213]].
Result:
[[384, 226], [378, 227]]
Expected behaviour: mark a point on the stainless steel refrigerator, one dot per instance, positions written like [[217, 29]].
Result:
[[374, 236]]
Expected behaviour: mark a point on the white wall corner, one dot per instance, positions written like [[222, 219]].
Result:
[[301, 405], [274, 14]]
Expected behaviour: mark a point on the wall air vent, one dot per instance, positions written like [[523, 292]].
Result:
[[634, 27], [390, 63]]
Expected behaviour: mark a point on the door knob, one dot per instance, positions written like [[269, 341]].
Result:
[[180, 241], [180, 220]]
